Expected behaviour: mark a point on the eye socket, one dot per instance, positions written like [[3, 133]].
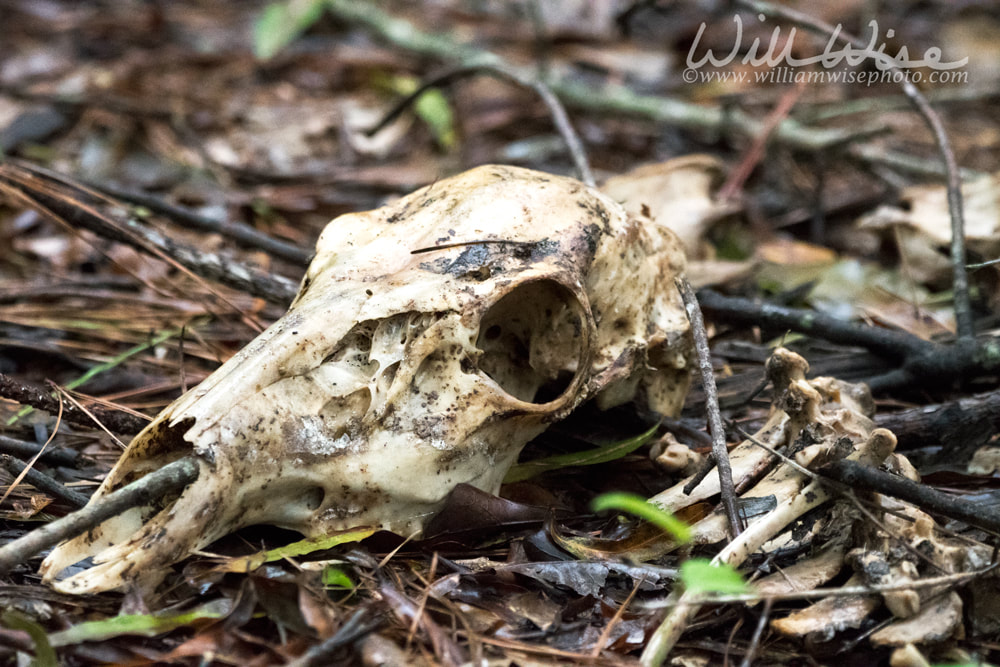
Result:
[[533, 341]]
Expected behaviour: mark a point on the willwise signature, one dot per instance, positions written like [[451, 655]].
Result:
[[780, 52]]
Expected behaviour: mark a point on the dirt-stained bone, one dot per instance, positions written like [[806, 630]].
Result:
[[430, 340]]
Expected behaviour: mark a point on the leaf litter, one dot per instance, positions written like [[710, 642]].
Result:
[[192, 116]]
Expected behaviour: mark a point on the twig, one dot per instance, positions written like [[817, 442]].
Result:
[[920, 360], [556, 109], [169, 478], [94, 371], [859, 476], [981, 265], [951, 580], [706, 467], [242, 233], [26, 394], [715, 427], [960, 423], [753, 155], [24, 450], [960, 280], [72, 205], [765, 613], [43, 482], [358, 625], [445, 649], [875, 155], [57, 390], [619, 613], [422, 605], [33, 460]]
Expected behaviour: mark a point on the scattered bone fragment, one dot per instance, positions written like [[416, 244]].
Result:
[[808, 573], [828, 415], [908, 656], [822, 620], [937, 621], [784, 370], [816, 422], [675, 457], [826, 412], [430, 340], [985, 461]]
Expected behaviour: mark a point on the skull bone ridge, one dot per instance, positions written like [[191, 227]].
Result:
[[396, 375]]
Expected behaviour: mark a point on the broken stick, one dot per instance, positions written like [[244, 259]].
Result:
[[172, 477]]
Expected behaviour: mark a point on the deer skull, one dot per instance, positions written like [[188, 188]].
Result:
[[429, 341]]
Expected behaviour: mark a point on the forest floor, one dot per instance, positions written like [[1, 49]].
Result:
[[167, 168]]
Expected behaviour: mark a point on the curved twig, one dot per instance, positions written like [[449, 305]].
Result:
[[556, 109], [960, 278]]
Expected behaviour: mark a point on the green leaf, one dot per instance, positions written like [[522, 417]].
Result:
[[45, 655], [637, 505], [311, 544], [295, 549], [160, 337], [335, 577], [282, 22], [700, 575], [144, 625], [529, 469], [432, 107]]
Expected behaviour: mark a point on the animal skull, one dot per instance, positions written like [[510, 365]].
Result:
[[429, 341]]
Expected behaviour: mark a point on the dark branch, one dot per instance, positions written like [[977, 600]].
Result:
[[860, 476], [42, 399], [169, 478]]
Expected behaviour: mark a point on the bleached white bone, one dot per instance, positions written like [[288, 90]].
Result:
[[430, 340]]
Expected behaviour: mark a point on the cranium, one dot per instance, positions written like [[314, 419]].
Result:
[[429, 341]]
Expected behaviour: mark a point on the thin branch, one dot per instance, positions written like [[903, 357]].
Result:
[[619, 613], [240, 232], [960, 423], [980, 265], [951, 580], [362, 622], [753, 155], [758, 632], [25, 450], [698, 477], [715, 427], [926, 498], [920, 360], [556, 109], [169, 478], [43, 482], [19, 477], [71, 204]]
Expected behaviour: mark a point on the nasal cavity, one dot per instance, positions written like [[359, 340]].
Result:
[[532, 341], [312, 497]]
